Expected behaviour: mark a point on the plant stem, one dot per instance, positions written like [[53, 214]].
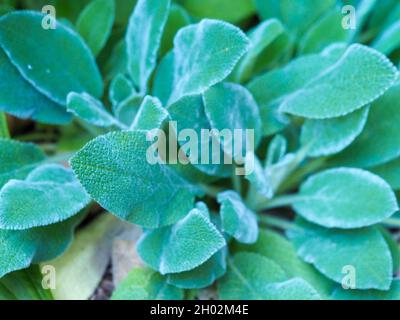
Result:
[[237, 183], [4, 133], [301, 173], [277, 222], [282, 201]]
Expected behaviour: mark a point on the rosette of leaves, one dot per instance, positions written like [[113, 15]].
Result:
[[312, 219]]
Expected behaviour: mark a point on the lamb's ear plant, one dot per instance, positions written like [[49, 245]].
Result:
[[308, 213]]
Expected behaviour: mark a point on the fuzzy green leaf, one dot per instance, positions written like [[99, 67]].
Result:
[[20, 248], [150, 115], [330, 136], [130, 187], [237, 220], [275, 247], [248, 277], [95, 23], [181, 247], [121, 88], [89, 109], [205, 54], [54, 61], [143, 39], [19, 98], [378, 143], [327, 30], [237, 101], [48, 195], [389, 40], [318, 99], [345, 198], [364, 249], [145, 284], [18, 159], [201, 276]]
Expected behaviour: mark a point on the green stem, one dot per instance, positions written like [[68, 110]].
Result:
[[4, 133], [282, 201], [298, 176], [277, 222], [237, 183]]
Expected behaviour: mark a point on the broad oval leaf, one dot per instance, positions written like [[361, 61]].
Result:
[[248, 277], [293, 289], [205, 54], [58, 61], [151, 195], [318, 99], [203, 275], [19, 98], [143, 39], [274, 246], [378, 143], [330, 136], [20, 248], [145, 284], [237, 220], [95, 23], [49, 194], [365, 250], [181, 247], [345, 198], [18, 159]]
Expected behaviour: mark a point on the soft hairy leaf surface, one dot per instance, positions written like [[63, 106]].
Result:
[[205, 54], [114, 170], [330, 136], [19, 98], [20, 248], [145, 284], [150, 115], [95, 23], [49, 194], [275, 247], [55, 61], [203, 275], [293, 289], [330, 250], [143, 39], [89, 109], [248, 277], [181, 247], [237, 220], [18, 159], [237, 102], [318, 98], [378, 143], [346, 198]]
